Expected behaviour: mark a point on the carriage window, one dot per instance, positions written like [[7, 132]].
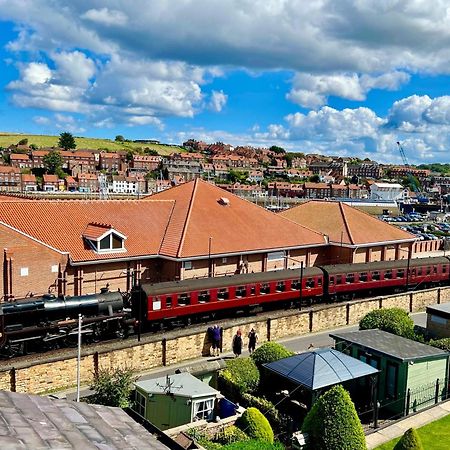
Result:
[[184, 300], [280, 286], [375, 276], [240, 291], [331, 281], [295, 285], [309, 283], [350, 278], [338, 279], [252, 290], [265, 288], [428, 270], [388, 275], [222, 294], [413, 272], [204, 297], [363, 277], [419, 271], [434, 269], [156, 304], [168, 302], [400, 273], [319, 281], [444, 268]]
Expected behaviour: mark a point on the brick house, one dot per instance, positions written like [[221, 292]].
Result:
[[21, 161], [145, 163], [70, 184], [110, 162], [317, 190], [9, 179], [50, 183], [29, 183], [87, 182]]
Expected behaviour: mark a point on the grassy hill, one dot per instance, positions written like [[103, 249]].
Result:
[[7, 139]]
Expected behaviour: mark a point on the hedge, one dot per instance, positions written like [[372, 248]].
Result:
[[240, 376], [409, 441], [443, 344], [253, 445], [392, 320], [265, 406], [332, 423], [255, 425], [270, 352], [231, 434]]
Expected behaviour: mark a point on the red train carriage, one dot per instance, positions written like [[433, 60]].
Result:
[[347, 280], [197, 297]]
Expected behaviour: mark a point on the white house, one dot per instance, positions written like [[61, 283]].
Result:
[[386, 191]]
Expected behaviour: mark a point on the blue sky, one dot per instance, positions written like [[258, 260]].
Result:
[[343, 78]]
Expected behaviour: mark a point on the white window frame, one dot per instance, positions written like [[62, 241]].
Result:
[[140, 403], [188, 265], [24, 271], [276, 256], [203, 409], [55, 268]]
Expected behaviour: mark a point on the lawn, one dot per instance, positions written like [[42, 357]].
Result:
[[7, 139], [435, 436]]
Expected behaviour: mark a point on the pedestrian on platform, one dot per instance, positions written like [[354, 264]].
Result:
[[252, 340], [215, 336], [237, 343]]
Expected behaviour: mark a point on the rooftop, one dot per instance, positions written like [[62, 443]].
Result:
[[439, 310], [33, 422], [390, 345]]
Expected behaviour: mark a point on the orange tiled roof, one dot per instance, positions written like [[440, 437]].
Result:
[[9, 169], [48, 178], [30, 178], [343, 223], [19, 157], [199, 218], [143, 223]]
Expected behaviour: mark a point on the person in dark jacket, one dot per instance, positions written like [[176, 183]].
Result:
[[216, 337], [252, 340], [237, 343]]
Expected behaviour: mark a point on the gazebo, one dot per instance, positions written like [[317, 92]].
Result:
[[304, 377]]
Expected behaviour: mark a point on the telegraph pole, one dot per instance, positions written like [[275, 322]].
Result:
[[80, 321]]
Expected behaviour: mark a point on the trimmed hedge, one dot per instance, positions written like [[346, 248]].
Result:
[[443, 344], [409, 441], [240, 376], [254, 445], [392, 320], [332, 423], [255, 425], [265, 406], [270, 352]]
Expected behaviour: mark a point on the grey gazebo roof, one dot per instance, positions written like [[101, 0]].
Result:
[[320, 368]]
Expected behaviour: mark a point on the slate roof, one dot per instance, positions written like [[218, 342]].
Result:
[[320, 368], [390, 344], [341, 222], [440, 310], [237, 227], [36, 423], [184, 385]]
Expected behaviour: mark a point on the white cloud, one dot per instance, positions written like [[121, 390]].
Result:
[[41, 120], [106, 16], [218, 101]]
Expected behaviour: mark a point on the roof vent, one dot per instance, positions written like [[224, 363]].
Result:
[[224, 201]]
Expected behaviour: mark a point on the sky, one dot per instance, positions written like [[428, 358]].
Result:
[[347, 77]]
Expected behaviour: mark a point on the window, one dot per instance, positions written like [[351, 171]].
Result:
[[331, 281], [275, 256], [400, 273], [253, 290], [350, 278], [222, 294], [319, 281], [187, 265], [24, 271], [338, 279], [388, 275], [184, 300], [363, 277], [438, 320], [428, 270], [444, 268], [391, 380], [156, 304], [204, 297], [168, 302], [295, 285], [280, 286], [203, 409], [413, 272], [139, 403], [240, 291], [265, 288], [309, 283], [55, 268], [419, 271]]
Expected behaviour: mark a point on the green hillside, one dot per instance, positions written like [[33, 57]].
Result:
[[7, 139]]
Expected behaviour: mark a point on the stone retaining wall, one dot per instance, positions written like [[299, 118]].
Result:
[[44, 373]]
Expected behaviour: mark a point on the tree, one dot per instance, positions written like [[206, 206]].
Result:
[[112, 387], [270, 352], [52, 161], [23, 142], [314, 178], [119, 138], [277, 150], [150, 151], [409, 441], [392, 320], [332, 423], [255, 425], [67, 141]]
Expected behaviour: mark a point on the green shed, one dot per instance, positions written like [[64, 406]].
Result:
[[174, 400], [412, 375]]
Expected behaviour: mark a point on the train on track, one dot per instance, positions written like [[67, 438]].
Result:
[[48, 322]]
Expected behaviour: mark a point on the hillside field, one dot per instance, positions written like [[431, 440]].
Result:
[[7, 139]]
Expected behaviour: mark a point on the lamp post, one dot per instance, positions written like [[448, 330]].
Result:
[[301, 285], [209, 258], [80, 321]]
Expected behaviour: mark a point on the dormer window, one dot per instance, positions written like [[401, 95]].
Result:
[[103, 238]]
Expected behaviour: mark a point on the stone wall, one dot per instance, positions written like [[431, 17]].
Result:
[[42, 373]]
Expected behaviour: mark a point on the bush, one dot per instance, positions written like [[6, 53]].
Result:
[[265, 406], [241, 375], [255, 425], [392, 320], [409, 441], [253, 445], [270, 352], [231, 434], [332, 423], [443, 344]]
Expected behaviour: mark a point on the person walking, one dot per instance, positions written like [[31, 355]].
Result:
[[216, 336], [237, 343], [252, 340]]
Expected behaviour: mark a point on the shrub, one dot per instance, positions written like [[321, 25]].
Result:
[[253, 445], [231, 434], [392, 320], [240, 376], [443, 344], [270, 352], [265, 406], [409, 441], [332, 423], [255, 425]]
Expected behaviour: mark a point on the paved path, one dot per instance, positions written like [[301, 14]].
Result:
[[416, 421]]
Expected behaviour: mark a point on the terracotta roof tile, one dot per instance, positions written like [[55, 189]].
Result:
[[343, 223], [199, 217]]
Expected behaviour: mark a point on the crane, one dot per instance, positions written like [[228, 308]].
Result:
[[416, 187]]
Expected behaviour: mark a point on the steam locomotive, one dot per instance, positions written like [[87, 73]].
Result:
[[48, 322]]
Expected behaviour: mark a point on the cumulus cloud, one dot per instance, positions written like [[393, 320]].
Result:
[[106, 16], [218, 101]]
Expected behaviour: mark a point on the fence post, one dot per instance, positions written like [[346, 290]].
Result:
[[164, 351], [439, 296], [411, 302], [408, 401], [269, 322], [347, 314], [436, 393], [311, 321], [12, 379]]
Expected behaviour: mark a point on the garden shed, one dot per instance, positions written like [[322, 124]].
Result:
[[412, 375], [175, 400], [438, 320]]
